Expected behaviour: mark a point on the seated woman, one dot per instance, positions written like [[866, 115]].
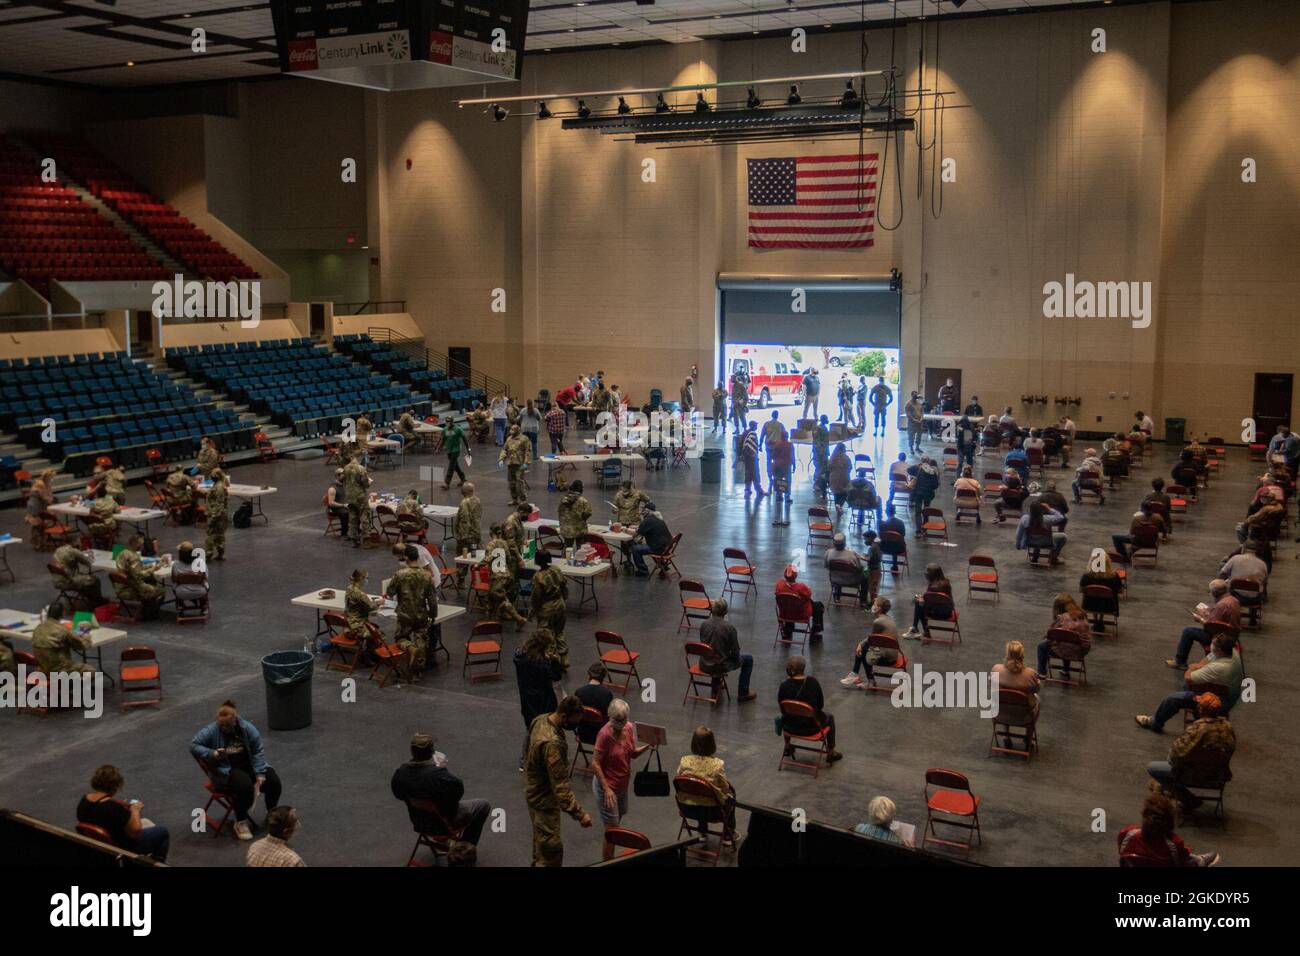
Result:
[[701, 762], [185, 565], [838, 473], [863, 656], [863, 497], [411, 505], [1036, 529], [1101, 572], [1013, 495], [357, 605], [1154, 843], [1066, 616], [935, 580], [880, 823], [1014, 675], [122, 821]]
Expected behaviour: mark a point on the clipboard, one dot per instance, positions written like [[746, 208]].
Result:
[[652, 735]]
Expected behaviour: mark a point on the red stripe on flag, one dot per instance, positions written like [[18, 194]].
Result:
[[857, 244], [811, 230], [806, 215]]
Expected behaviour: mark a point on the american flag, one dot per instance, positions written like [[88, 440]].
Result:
[[812, 202]]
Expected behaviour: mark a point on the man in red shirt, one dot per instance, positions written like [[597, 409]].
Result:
[[790, 584]]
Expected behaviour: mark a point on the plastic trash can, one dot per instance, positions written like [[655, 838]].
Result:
[[288, 689], [711, 466], [1175, 431]]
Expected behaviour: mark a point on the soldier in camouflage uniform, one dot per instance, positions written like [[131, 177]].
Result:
[[356, 491], [516, 454], [417, 609], [503, 561], [357, 605], [628, 504], [821, 451], [406, 426], [550, 592], [480, 423], [209, 458], [114, 479], [469, 515], [546, 781], [52, 643], [140, 586], [218, 516], [103, 529], [78, 576], [181, 493], [411, 505], [514, 527], [347, 453], [575, 512]]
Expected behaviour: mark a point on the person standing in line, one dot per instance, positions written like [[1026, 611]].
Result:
[[546, 781], [720, 409], [749, 457], [557, 422], [812, 387], [611, 767], [915, 422], [881, 398], [530, 423]]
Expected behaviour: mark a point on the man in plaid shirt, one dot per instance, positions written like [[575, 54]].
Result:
[[557, 420], [273, 849]]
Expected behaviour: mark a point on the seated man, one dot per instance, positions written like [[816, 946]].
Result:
[[336, 504], [1222, 666], [1055, 500], [629, 503], [1225, 610], [892, 523], [77, 575], [1018, 461], [863, 497], [898, 472], [53, 644], [1142, 519], [1246, 563], [722, 637], [653, 537], [140, 587], [180, 492], [1264, 522], [840, 551], [811, 610], [1088, 475], [103, 525], [426, 777], [1200, 757]]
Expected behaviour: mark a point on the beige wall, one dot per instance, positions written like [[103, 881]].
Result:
[[70, 342], [177, 334]]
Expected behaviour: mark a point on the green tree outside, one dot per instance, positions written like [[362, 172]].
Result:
[[870, 363]]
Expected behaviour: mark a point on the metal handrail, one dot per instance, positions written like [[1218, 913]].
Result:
[[359, 308], [415, 350]]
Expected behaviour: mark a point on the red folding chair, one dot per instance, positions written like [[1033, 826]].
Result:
[[697, 678], [933, 524], [793, 617], [483, 648], [1016, 720], [1102, 607], [821, 531], [739, 572], [952, 804], [700, 807], [222, 798], [585, 733], [345, 650], [619, 660], [696, 604], [982, 576], [1067, 650], [940, 616], [817, 743], [886, 642], [431, 828], [664, 562], [139, 673]]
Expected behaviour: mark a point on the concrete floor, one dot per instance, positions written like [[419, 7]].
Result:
[[336, 772]]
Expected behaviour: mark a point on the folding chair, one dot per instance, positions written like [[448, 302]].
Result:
[[900, 493], [1015, 721], [432, 829], [390, 660], [887, 642], [951, 803], [790, 615], [483, 648], [700, 806], [697, 678], [821, 532], [940, 615], [332, 525], [388, 524], [1069, 650], [739, 573], [345, 650], [992, 486], [584, 734], [982, 575], [629, 840], [795, 744], [664, 562], [93, 832], [36, 678], [1251, 597], [190, 610], [411, 529], [1040, 548], [139, 673], [619, 660], [966, 504], [222, 798], [1102, 607], [933, 524], [1036, 459], [129, 610], [1090, 486], [896, 551], [846, 580], [1178, 498], [696, 604], [1146, 547]]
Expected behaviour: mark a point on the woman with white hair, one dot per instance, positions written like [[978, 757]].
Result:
[[880, 817], [612, 766]]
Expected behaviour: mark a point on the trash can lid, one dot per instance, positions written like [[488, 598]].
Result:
[[287, 667]]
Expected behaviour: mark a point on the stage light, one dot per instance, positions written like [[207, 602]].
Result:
[[794, 99], [752, 101], [543, 111], [583, 111], [849, 100], [623, 108], [499, 112], [701, 104], [661, 105]]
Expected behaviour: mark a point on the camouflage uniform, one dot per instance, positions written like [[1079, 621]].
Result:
[[504, 561], [417, 609], [115, 484], [8, 663], [821, 449], [363, 427], [209, 458], [103, 528], [515, 531], [410, 505], [628, 505], [181, 493], [78, 576], [53, 643], [517, 453], [547, 790], [356, 491], [480, 425], [550, 592], [357, 605], [468, 516], [406, 425], [347, 453], [218, 520], [140, 586], [575, 511]]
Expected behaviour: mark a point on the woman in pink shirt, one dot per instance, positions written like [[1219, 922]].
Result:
[[612, 767]]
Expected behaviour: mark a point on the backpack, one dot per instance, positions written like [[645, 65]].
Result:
[[243, 517]]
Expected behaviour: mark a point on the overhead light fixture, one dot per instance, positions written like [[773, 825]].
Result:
[[752, 102], [623, 108], [794, 99], [543, 111], [958, 3], [130, 62], [499, 112], [661, 105], [701, 104], [583, 110], [850, 100]]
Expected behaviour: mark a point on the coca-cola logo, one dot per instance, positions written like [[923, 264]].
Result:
[[440, 47], [302, 54]]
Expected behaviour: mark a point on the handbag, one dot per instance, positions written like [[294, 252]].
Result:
[[651, 783]]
